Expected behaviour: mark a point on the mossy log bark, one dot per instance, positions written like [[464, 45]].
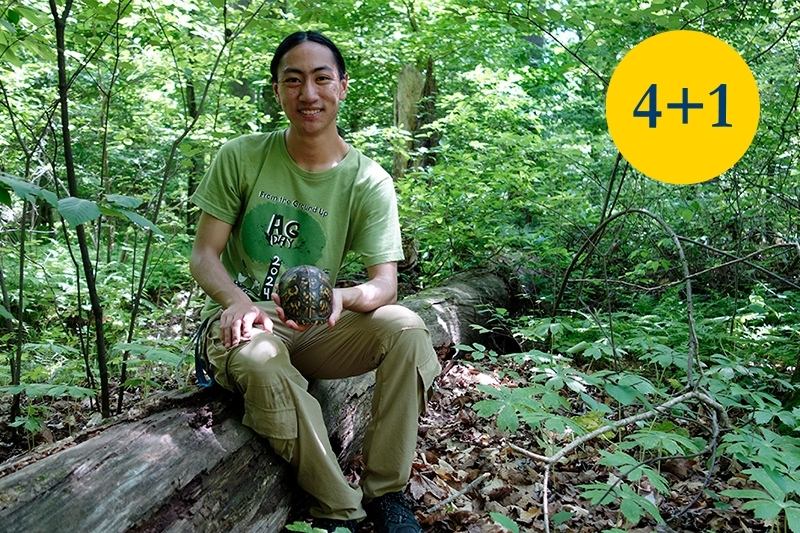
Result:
[[192, 466]]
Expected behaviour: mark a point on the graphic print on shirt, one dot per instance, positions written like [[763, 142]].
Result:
[[279, 234]]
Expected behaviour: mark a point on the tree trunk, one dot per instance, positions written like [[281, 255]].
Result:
[[194, 467], [410, 83]]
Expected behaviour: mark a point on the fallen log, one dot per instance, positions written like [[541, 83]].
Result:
[[194, 467], [450, 311]]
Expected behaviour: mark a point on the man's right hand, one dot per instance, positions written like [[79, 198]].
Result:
[[241, 315], [237, 323]]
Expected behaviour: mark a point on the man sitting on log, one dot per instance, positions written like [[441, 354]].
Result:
[[303, 196]]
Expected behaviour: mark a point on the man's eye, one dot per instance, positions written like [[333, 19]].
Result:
[[292, 82], [324, 79]]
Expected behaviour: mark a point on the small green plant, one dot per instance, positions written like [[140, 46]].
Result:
[[777, 502], [31, 420], [479, 352], [632, 505], [150, 357], [664, 438], [305, 527]]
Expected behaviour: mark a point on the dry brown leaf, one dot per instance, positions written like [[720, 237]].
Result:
[[420, 485]]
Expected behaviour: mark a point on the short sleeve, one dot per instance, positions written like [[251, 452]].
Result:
[[378, 238]]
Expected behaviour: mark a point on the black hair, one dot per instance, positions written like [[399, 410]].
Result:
[[298, 38]]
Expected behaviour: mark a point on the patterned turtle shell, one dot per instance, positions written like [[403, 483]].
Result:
[[306, 295]]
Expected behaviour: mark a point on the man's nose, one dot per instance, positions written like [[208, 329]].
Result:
[[308, 90]]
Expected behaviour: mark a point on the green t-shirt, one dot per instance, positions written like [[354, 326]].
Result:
[[284, 216]]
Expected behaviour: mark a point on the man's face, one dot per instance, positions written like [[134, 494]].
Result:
[[309, 88]]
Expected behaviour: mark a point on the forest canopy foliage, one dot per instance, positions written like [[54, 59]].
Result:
[[631, 292]]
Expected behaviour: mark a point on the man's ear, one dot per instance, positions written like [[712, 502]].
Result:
[[275, 92], [345, 81]]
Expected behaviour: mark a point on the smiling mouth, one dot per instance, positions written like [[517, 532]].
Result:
[[309, 112]]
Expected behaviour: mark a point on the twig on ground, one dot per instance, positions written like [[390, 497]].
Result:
[[474, 483]]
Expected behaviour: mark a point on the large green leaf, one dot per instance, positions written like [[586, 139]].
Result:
[[140, 220], [4, 313], [25, 190], [133, 217], [119, 200], [77, 211]]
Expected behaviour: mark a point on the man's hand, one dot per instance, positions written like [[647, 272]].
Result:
[[238, 322]]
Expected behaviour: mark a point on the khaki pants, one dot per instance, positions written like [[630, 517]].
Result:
[[270, 371]]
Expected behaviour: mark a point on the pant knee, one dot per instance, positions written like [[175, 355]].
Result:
[[262, 359], [400, 318]]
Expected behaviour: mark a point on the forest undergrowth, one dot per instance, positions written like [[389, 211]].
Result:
[[609, 423], [606, 435]]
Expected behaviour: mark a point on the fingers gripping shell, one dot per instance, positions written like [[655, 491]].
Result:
[[306, 295]]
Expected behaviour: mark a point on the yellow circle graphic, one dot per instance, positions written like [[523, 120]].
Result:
[[682, 107]]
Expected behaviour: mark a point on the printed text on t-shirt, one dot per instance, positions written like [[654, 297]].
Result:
[[294, 203]]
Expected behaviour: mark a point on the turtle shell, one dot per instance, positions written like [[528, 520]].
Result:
[[306, 295]]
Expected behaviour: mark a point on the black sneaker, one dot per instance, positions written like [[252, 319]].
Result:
[[330, 525], [392, 514]]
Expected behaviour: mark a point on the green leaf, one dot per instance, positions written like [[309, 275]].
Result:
[[581, 346], [628, 495], [5, 314], [77, 211], [80, 392], [11, 57], [487, 408], [616, 459], [763, 509], [119, 200], [507, 419], [12, 389], [561, 517], [158, 355], [763, 417], [32, 424], [631, 510], [772, 480], [33, 15], [505, 521], [598, 493], [625, 395], [793, 518], [745, 493], [141, 221], [37, 390], [23, 189]]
